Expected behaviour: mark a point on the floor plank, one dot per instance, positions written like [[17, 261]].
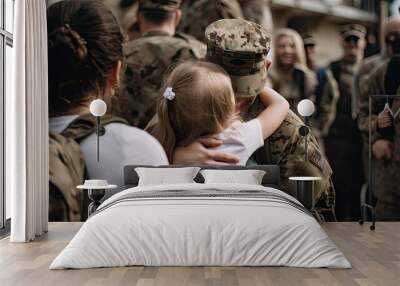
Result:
[[375, 257]]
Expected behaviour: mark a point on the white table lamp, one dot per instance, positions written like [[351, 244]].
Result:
[[98, 108], [306, 109]]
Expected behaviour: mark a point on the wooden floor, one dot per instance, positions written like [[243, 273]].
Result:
[[375, 256]]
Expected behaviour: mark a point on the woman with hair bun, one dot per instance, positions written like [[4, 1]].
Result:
[[85, 58]]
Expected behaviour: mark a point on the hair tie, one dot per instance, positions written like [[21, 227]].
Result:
[[169, 93]]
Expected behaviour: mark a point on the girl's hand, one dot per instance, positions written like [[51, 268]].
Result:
[[198, 153]]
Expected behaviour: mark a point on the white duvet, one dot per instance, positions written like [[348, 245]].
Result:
[[201, 231]]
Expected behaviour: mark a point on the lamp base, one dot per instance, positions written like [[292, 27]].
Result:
[[305, 190]]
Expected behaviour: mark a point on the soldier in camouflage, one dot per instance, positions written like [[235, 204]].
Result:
[[361, 79], [149, 58], [258, 11], [370, 63], [198, 14], [344, 142], [240, 47], [326, 92], [125, 11], [385, 131]]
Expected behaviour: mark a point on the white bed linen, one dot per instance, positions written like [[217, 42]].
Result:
[[200, 231]]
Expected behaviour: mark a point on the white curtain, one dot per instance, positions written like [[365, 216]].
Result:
[[27, 124]]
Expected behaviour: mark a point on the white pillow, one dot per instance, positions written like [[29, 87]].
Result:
[[166, 176], [247, 177]]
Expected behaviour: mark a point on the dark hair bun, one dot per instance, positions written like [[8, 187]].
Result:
[[84, 45], [70, 42]]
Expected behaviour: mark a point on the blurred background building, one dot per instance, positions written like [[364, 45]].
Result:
[[322, 19]]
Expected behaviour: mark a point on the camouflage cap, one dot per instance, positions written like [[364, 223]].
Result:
[[309, 40], [353, 30], [164, 5], [240, 47]]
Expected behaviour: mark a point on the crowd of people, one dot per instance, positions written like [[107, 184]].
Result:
[[190, 83]]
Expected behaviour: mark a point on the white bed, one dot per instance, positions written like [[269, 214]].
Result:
[[224, 225]]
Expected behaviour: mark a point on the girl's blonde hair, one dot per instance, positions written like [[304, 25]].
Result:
[[298, 45], [203, 104]]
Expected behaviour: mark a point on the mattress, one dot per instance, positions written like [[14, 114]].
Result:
[[201, 225]]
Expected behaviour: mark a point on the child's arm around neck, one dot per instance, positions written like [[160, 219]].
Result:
[[275, 112]]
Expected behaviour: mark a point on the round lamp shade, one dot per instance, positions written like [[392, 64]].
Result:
[[98, 107], [306, 108]]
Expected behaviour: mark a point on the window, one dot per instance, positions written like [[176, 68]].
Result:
[[6, 60]]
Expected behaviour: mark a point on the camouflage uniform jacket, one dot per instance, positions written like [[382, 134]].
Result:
[[363, 87], [326, 108], [385, 172], [286, 148], [198, 14], [125, 13], [374, 84], [148, 59]]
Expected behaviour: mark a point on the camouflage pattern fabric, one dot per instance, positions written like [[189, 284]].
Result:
[[148, 60], [356, 30], [164, 5], [286, 148], [239, 41], [361, 100], [362, 85], [238, 37], [386, 181], [258, 11], [67, 168], [198, 14], [125, 11], [240, 47]]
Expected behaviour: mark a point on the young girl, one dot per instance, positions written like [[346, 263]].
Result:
[[199, 100]]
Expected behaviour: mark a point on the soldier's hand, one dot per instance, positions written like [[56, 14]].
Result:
[[384, 119], [198, 153], [382, 149]]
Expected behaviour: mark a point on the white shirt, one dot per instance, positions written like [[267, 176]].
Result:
[[242, 139], [121, 145]]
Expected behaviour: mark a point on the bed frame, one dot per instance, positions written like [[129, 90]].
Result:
[[131, 178], [270, 179]]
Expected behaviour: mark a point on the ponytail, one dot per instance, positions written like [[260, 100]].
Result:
[[163, 130], [197, 100]]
